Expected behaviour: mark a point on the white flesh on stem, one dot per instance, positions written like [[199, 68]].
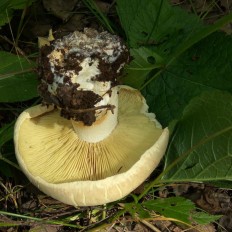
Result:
[[104, 124]]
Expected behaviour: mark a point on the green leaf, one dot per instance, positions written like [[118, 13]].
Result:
[[7, 7], [18, 88], [17, 81], [131, 208], [204, 218], [4, 4], [201, 145], [5, 12], [156, 22], [204, 67], [11, 63], [173, 207], [6, 133], [137, 209], [199, 35], [144, 61], [170, 33], [181, 209], [169, 30]]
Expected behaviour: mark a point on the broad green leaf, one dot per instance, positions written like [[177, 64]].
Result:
[[6, 133], [11, 63], [201, 144], [170, 33], [173, 207], [17, 81], [204, 67], [18, 87], [198, 35], [154, 22], [144, 61]]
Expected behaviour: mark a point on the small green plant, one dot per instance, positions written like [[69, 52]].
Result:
[[182, 66], [7, 8]]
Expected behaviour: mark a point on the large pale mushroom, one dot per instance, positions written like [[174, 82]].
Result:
[[92, 141]]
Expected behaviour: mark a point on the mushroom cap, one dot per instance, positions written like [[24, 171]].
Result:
[[79, 71], [80, 173]]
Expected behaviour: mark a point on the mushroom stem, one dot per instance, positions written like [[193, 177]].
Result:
[[105, 122]]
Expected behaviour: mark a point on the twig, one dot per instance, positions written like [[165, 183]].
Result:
[[13, 44], [108, 107]]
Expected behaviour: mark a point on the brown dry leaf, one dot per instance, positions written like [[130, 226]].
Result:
[[103, 6], [226, 221], [214, 201], [139, 228], [203, 228], [45, 228], [76, 23], [167, 226], [61, 9], [227, 4]]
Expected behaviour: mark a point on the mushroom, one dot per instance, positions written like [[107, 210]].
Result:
[[91, 141]]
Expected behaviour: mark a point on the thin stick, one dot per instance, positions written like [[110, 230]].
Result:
[[108, 107]]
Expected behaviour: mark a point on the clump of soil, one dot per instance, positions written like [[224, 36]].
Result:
[[63, 59]]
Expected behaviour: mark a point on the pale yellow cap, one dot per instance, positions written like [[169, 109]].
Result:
[[85, 174]]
